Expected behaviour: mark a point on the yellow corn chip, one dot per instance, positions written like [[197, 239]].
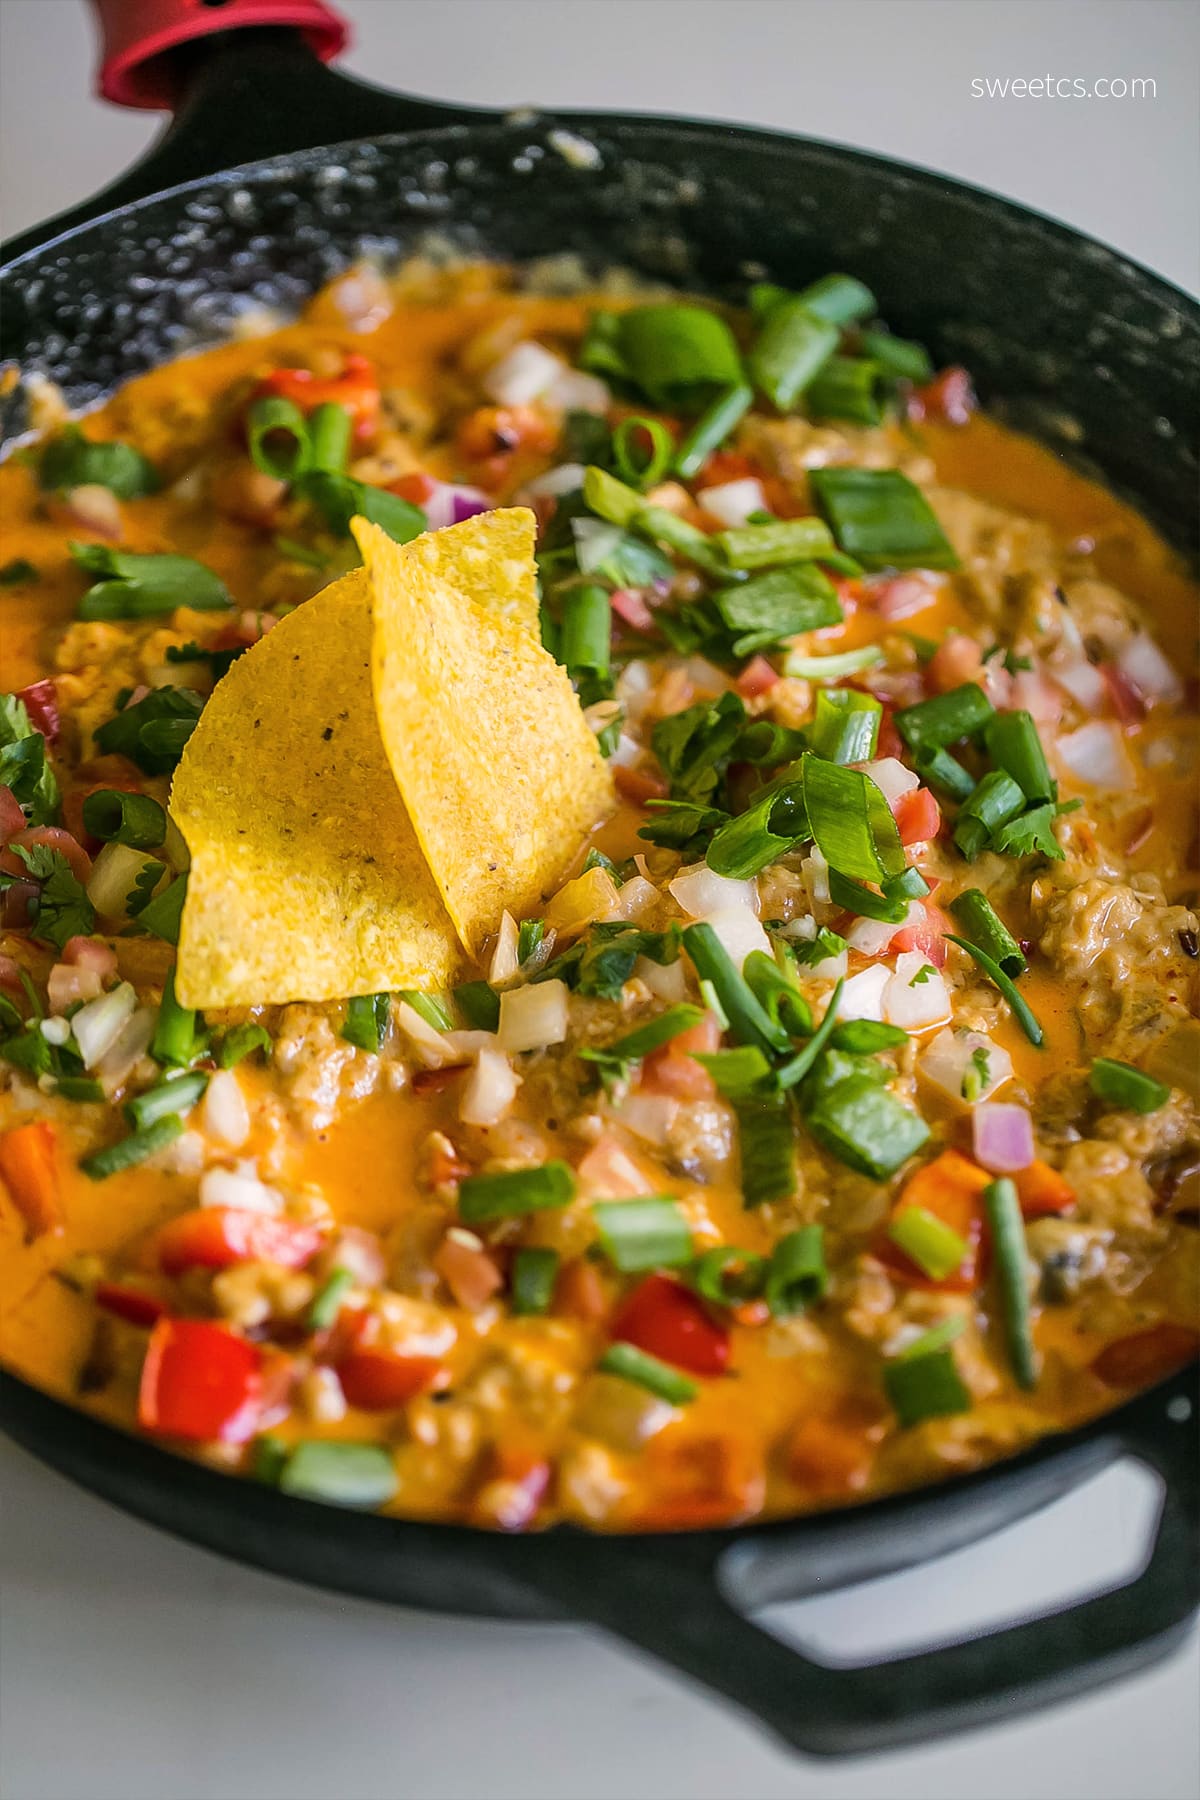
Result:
[[501, 776], [493, 564], [307, 880]]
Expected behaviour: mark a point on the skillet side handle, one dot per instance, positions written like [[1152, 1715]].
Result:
[[678, 1609], [136, 36]]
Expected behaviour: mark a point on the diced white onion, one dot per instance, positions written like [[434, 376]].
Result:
[[871, 937], [732, 502], [532, 1017], [635, 684], [802, 929], [505, 962], [950, 1060], [492, 1085], [1084, 683], [565, 479], [649, 1116], [667, 981], [1096, 755], [224, 1114], [523, 375], [113, 875], [815, 871], [915, 1005], [700, 891], [739, 933], [891, 777], [1143, 665], [635, 898], [574, 390], [433, 1047], [99, 1024], [122, 1057], [58, 1031], [239, 1188], [862, 996]]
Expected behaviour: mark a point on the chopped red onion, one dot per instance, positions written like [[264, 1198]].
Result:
[[1002, 1137]]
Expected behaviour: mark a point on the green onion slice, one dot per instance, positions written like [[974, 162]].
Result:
[[133, 1149], [865, 1037], [945, 774], [278, 440], [120, 818], [850, 820], [240, 1042], [534, 1275], [642, 449], [780, 541], [727, 1276], [767, 1141], [988, 932], [792, 346], [330, 429], [866, 1127], [925, 1386], [748, 1019], [777, 994], [327, 1301], [1021, 1012], [175, 1039], [770, 608], [643, 1234], [845, 727], [897, 357], [1014, 746], [945, 719], [355, 1475], [928, 1241], [366, 1020], [848, 387], [71, 460], [584, 648], [1120, 1084], [804, 1060], [723, 413], [1007, 1227], [679, 355], [430, 1007], [797, 1277], [648, 1372], [881, 518], [994, 801], [767, 830], [479, 1004], [133, 586], [169, 1099], [510, 1193]]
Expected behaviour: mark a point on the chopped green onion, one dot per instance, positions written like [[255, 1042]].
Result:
[[910, 884], [1014, 746], [845, 727], [613, 500], [132, 586], [928, 1241], [133, 1149], [534, 1276], [1020, 1010], [117, 817], [1007, 1227], [792, 346], [366, 1020], [781, 541], [678, 355], [327, 1301], [278, 439], [614, 1060], [339, 1474], [841, 299], [711, 429], [643, 1234], [851, 822], [748, 1019], [767, 1142], [137, 731], [832, 668], [330, 429], [897, 357], [945, 774], [648, 1372], [80, 1088], [586, 631], [925, 1384], [764, 297], [797, 1277], [175, 1037], [267, 1459], [1120, 1084], [240, 1042], [642, 465], [479, 1004], [169, 1099], [742, 1073], [71, 460], [848, 387], [974, 913], [727, 1276], [774, 824], [993, 802], [430, 1007], [805, 1059], [339, 498], [769, 608], [857, 898], [600, 351], [777, 994], [882, 518], [530, 933], [932, 724], [510, 1193], [765, 745], [864, 1037], [866, 1127]]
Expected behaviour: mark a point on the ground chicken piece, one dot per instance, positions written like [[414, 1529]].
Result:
[[1121, 945], [320, 1071], [250, 1293], [1109, 1187], [700, 1139]]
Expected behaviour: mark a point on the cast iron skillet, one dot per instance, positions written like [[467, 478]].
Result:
[[1061, 333]]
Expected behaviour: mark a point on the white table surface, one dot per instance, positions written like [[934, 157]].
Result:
[[138, 1668]]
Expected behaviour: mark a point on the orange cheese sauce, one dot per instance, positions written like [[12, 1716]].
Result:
[[363, 1159]]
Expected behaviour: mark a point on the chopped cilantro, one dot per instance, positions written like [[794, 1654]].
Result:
[[62, 909], [23, 764], [152, 733]]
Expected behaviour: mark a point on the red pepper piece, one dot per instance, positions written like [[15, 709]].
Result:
[[133, 1305], [378, 1380], [356, 388], [200, 1381], [215, 1237], [667, 1320]]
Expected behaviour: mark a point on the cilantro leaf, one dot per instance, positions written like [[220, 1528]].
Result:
[[62, 908], [152, 733], [72, 460], [826, 943], [131, 586], [694, 746], [683, 825], [1032, 832], [23, 764], [219, 661]]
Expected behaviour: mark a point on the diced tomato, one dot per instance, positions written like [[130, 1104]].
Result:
[[356, 388], [47, 837], [29, 1168], [1146, 1356], [200, 1381], [956, 660], [667, 1320], [491, 437], [216, 1237], [91, 953], [951, 1188], [12, 819], [949, 396], [674, 1070], [918, 816], [631, 608], [414, 486], [380, 1380], [889, 742], [756, 679], [692, 1482], [1042, 1191], [41, 703], [132, 1304], [471, 1274], [639, 785], [581, 1292], [928, 935], [726, 465]]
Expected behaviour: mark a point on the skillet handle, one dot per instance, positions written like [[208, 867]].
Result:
[[136, 36], [678, 1606]]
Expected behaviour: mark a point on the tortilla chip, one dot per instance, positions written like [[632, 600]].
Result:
[[493, 564], [501, 776], [307, 880]]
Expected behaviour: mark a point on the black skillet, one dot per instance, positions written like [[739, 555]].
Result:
[[1063, 335]]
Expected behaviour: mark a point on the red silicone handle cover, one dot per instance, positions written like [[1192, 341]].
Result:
[[135, 33]]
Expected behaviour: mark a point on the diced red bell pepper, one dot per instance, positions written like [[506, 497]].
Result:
[[951, 1188], [41, 703], [1146, 1356], [918, 816], [379, 1380], [200, 1381], [415, 487], [356, 388], [216, 1237], [949, 396], [631, 608], [29, 1170], [134, 1305], [667, 1320], [756, 679], [1043, 1191], [515, 1485]]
